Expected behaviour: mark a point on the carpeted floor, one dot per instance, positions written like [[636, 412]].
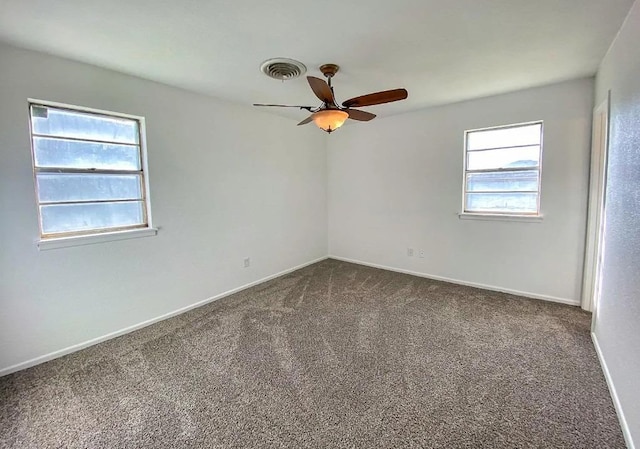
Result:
[[333, 355]]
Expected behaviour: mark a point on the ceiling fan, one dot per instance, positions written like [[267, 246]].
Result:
[[330, 115]]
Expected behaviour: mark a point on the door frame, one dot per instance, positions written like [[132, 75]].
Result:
[[594, 249]]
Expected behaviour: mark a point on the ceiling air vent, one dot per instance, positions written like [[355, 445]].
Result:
[[282, 68]]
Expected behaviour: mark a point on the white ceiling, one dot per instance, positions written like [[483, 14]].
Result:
[[441, 51]]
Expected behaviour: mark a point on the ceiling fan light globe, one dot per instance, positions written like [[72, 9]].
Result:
[[330, 119]]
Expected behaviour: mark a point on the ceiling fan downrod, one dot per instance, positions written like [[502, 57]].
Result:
[[329, 70]]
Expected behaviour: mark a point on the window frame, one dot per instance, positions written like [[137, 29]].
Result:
[[72, 238], [502, 215]]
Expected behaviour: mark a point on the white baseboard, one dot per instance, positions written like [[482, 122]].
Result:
[[571, 302], [126, 330], [614, 395]]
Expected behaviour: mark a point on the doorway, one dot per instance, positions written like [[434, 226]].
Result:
[[595, 217]]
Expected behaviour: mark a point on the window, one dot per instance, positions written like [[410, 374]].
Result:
[[89, 171], [502, 170]]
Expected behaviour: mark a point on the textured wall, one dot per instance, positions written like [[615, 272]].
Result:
[[617, 325], [398, 183], [227, 182]]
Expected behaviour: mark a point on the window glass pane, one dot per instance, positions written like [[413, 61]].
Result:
[[83, 125], [501, 202], [504, 158], [81, 217], [504, 137], [74, 152], [64, 187], [59, 153], [505, 180]]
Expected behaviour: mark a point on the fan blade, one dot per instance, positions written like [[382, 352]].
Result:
[[386, 96], [283, 106], [362, 116], [321, 89], [307, 120]]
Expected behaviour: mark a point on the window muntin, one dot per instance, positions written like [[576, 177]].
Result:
[[502, 170], [89, 170]]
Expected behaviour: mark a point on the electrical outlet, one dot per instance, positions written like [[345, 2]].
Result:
[[421, 254], [247, 262], [410, 252]]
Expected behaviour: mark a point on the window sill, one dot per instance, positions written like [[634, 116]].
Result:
[[63, 242], [501, 217]]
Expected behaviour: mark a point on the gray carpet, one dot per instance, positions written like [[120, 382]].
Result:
[[333, 355]]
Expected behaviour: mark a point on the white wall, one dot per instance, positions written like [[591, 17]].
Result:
[[397, 183], [227, 182], [617, 321]]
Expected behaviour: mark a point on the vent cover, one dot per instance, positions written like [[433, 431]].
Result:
[[282, 68]]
